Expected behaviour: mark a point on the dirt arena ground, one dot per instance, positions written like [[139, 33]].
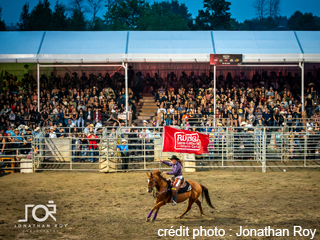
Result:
[[115, 206]]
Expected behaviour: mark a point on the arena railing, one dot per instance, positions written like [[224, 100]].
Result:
[[106, 118], [246, 147], [16, 154], [301, 121]]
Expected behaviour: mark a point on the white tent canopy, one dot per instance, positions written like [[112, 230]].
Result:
[[156, 46], [83, 46], [310, 44], [170, 46], [266, 46], [20, 46]]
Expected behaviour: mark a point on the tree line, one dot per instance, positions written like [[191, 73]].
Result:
[[81, 15]]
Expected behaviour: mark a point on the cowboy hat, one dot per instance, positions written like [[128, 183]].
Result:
[[37, 129], [123, 140], [174, 157]]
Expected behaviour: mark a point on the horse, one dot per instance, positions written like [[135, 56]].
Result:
[[155, 179]]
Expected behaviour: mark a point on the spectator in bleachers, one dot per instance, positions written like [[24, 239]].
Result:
[[2, 144], [83, 142], [97, 115], [89, 115], [309, 106], [52, 133], [9, 145]]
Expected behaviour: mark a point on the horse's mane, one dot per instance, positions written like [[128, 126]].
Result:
[[158, 174]]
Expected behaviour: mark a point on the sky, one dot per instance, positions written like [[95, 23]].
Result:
[[239, 9]]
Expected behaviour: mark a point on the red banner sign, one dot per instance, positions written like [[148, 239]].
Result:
[[183, 141]]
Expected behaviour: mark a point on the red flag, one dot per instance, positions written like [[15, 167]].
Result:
[[183, 141]]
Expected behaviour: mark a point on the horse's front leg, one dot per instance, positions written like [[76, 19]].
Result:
[[149, 215], [155, 215], [151, 211], [156, 207]]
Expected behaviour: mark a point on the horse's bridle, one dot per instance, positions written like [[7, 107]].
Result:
[[151, 188], [151, 179]]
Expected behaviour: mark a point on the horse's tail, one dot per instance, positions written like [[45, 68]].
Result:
[[205, 194]]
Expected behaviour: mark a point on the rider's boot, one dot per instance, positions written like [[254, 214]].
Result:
[[174, 198]]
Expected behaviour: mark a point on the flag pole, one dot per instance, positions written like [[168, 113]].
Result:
[[161, 149]]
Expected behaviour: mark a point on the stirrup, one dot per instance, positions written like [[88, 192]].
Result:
[[174, 203]]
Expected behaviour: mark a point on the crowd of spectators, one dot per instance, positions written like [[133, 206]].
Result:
[[68, 101], [78, 103], [265, 100]]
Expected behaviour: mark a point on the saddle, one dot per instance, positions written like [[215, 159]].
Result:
[[184, 187]]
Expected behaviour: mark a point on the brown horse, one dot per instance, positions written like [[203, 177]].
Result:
[[164, 196]]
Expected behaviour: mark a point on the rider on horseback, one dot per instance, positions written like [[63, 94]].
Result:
[[177, 176]]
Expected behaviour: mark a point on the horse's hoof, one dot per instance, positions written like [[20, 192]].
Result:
[[148, 219], [152, 220]]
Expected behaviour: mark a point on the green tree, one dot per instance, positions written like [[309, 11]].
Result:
[[3, 26], [77, 21], [110, 3], [79, 5], [259, 24], [59, 17], [234, 24], [167, 22], [273, 7], [165, 16], [260, 7], [94, 7], [40, 17], [97, 25], [300, 21], [24, 18], [124, 15], [215, 16], [175, 8]]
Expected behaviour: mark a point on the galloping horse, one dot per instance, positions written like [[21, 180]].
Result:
[[164, 195]]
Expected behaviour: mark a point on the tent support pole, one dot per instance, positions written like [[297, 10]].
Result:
[[301, 65], [214, 93], [38, 83], [125, 66]]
